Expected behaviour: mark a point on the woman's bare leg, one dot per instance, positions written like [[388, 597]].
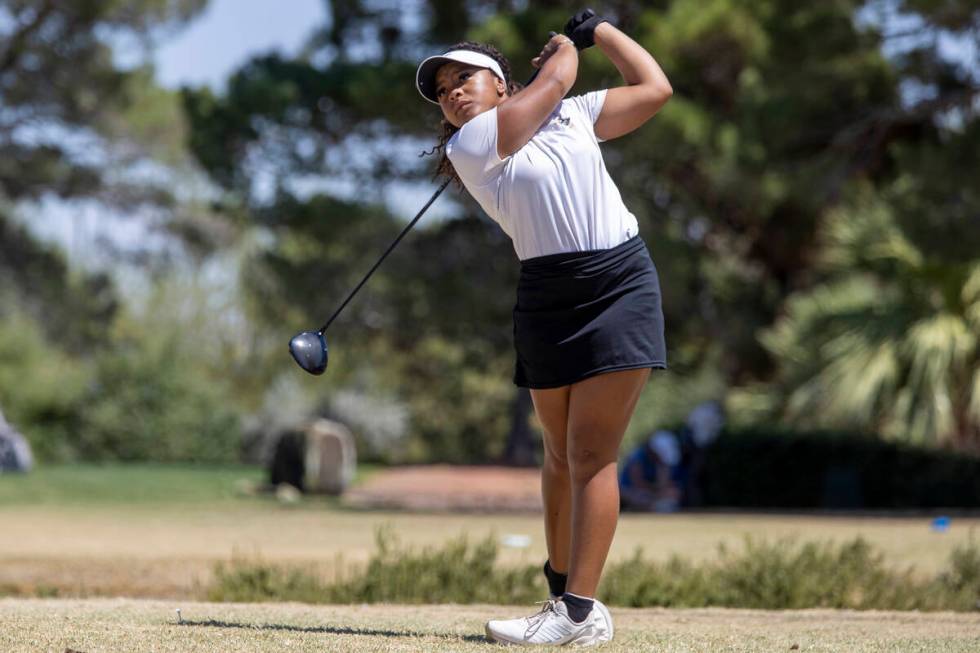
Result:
[[599, 410], [551, 407]]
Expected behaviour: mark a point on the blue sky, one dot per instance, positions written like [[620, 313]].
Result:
[[215, 44], [229, 32]]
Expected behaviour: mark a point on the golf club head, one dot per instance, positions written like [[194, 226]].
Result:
[[309, 349]]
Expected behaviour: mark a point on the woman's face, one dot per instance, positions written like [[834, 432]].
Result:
[[465, 91]]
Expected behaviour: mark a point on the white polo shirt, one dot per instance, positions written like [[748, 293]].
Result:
[[554, 194]]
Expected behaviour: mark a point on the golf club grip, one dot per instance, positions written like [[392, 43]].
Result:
[[411, 224], [534, 75]]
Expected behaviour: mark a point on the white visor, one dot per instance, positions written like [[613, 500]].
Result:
[[425, 76]]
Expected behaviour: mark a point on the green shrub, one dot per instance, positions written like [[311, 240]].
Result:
[[772, 575], [244, 581], [459, 572], [763, 468], [962, 579], [148, 397], [152, 402], [42, 390], [637, 582], [766, 575]]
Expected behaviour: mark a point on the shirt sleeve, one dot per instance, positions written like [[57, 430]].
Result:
[[473, 149], [590, 105]]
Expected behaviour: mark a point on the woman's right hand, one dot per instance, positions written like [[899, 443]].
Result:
[[556, 41]]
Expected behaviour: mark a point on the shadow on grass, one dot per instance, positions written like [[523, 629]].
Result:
[[332, 630]]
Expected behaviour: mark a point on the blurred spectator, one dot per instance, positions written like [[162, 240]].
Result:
[[15, 453], [703, 427], [647, 481], [664, 473]]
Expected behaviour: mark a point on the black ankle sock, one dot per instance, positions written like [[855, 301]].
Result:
[[556, 581], [579, 607]]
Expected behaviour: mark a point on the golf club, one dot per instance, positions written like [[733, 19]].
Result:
[[309, 348]]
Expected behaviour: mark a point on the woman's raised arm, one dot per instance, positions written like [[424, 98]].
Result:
[[647, 89], [519, 117]]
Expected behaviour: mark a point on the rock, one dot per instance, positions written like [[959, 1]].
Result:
[[15, 453], [287, 460], [331, 457], [319, 458]]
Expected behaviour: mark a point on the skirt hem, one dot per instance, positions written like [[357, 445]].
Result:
[[657, 365]]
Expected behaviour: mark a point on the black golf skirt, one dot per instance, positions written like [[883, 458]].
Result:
[[579, 314]]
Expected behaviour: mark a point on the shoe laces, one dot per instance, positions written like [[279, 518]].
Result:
[[535, 621]]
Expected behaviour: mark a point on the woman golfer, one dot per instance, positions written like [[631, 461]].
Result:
[[588, 326]]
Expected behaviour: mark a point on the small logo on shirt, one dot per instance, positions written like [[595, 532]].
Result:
[[564, 121]]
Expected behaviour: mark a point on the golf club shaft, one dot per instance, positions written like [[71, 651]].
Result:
[[401, 235], [388, 251]]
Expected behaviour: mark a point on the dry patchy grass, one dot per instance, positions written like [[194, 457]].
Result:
[[94, 626], [157, 531], [161, 550], [318, 532]]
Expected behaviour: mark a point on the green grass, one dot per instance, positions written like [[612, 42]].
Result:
[[103, 626], [133, 484]]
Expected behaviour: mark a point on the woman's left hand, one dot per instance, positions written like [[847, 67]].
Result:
[[556, 41], [581, 28]]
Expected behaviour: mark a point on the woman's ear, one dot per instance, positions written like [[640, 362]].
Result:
[[501, 86]]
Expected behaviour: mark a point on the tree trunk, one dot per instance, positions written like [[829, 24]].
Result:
[[522, 444]]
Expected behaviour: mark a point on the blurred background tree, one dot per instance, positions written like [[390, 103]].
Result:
[[808, 195], [889, 340], [80, 370], [65, 133], [779, 110]]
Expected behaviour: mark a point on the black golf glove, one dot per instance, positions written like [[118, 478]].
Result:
[[581, 28]]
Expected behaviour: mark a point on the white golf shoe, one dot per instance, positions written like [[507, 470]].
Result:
[[602, 621], [550, 626], [602, 618]]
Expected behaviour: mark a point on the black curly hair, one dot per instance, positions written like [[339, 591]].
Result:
[[445, 167]]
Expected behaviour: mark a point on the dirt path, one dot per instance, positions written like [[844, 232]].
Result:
[[450, 488]]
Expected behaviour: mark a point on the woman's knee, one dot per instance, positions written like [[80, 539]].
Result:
[[585, 462], [556, 458], [551, 409]]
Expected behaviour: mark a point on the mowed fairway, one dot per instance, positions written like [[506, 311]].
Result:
[[104, 625], [145, 531]]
